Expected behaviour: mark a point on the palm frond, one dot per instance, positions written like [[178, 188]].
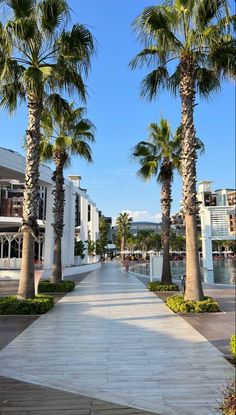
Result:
[[143, 149], [57, 104], [154, 82], [154, 22], [46, 150], [11, 95], [53, 14], [222, 56], [148, 56], [21, 8], [66, 78], [33, 79], [77, 46], [148, 170], [207, 10], [24, 29], [207, 82], [81, 148]]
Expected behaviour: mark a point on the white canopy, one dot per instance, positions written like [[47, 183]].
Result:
[[137, 251]]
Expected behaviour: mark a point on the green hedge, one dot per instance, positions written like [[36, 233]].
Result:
[[233, 346], [46, 286], [158, 286], [179, 305], [38, 305]]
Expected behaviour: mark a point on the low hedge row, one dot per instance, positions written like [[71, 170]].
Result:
[[38, 305], [159, 286], [46, 286], [233, 346], [179, 305]]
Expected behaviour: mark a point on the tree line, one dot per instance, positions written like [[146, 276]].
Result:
[[188, 48]]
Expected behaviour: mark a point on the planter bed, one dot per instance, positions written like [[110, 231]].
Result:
[[177, 304], [38, 305], [62, 287], [159, 286]]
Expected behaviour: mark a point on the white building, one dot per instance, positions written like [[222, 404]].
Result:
[[81, 219], [217, 213]]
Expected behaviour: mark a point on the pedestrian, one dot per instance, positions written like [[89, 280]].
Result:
[[126, 264]]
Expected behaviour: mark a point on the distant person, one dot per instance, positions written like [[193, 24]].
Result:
[[111, 256], [126, 264]]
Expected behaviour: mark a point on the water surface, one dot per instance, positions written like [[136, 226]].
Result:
[[224, 271]]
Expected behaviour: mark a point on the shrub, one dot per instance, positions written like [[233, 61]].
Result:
[[179, 305], [79, 249], [228, 406], [233, 346], [158, 286], [48, 287], [38, 305]]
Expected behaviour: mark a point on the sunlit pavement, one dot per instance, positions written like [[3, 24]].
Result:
[[111, 339]]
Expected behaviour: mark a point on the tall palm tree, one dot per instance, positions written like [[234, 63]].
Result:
[[198, 36], [64, 134], [158, 157], [123, 222], [38, 54], [103, 234]]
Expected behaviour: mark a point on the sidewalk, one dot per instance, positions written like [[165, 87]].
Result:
[[113, 340]]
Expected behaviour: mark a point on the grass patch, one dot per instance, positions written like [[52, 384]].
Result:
[[158, 286], [38, 305], [62, 287], [179, 305]]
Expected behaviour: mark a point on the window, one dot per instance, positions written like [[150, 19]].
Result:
[[89, 212]]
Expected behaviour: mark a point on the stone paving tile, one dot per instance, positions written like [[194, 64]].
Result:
[[111, 323], [27, 399]]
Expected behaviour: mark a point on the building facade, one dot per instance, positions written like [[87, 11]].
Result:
[[136, 227], [80, 221], [217, 213]]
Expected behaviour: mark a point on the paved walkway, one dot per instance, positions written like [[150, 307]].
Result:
[[113, 340]]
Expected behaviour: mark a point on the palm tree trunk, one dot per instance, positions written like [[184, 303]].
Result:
[[122, 246], [194, 289], [58, 211], [29, 226], [165, 206]]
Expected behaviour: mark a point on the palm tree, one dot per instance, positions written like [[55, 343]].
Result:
[[38, 54], [64, 134], [123, 222], [103, 233], [198, 35], [158, 157], [145, 238]]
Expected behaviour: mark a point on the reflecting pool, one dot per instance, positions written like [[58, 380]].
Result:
[[224, 271]]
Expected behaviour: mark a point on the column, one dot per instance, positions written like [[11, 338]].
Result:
[[66, 228], [206, 239], [71, 225], [84, 223], [49, 240]]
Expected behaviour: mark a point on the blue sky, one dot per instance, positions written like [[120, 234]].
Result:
[[121, 118]]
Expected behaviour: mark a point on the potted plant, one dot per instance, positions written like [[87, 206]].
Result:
[[91, 250], [79, 252]]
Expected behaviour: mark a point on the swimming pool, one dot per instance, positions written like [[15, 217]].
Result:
[[224, 271]]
